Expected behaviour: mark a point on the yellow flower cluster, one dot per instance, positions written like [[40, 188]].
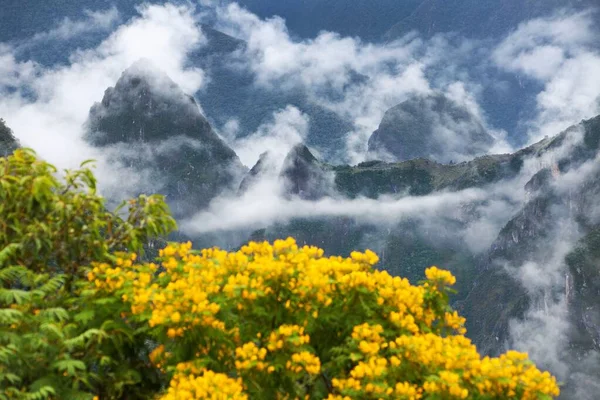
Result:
[[439, 275], [287, 334], [108, 278], [368, 338], [270, 307], [304, 361], [456, 368], [250, 356], [208, 385]]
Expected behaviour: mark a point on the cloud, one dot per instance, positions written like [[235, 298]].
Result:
[[539, 47], [287, 128], [101, 20], [561, 53], [47, 107], [12, 72], [329, 59], [262, 206], [356, 80]]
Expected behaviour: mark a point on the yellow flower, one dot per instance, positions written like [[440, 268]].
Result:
[[439, 275]]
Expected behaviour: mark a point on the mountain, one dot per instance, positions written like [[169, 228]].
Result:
[[407, 247], [431, 126], [148, 123], [300, 175], [8, 143], [303, 175], [552, 214], [264, 166]]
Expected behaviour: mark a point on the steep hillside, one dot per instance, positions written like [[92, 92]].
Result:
[[553, 213]]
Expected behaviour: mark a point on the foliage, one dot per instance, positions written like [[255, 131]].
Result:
[[279, 321], [53, 342], [83, 316]]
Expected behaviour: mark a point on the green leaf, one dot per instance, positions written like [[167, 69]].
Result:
[[10, 316], [42, 188], [56, 314], [42, 393], [53, 330], [11, 296], [69, 366], [85, 316], [81, 340], [8, 251], [12, 378]]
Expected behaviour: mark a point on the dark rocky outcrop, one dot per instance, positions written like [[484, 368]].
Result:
[[431, 126], [151, 125], [8, 142], [264, 166], [305, 176]]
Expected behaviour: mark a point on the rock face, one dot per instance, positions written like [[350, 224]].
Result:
[[300, 175], [304, 176], [150, 125], [556, 213], [145, 105], [8, 143], [433, 127], [264, 166]]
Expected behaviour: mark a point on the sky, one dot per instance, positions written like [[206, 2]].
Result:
[[556, 57]]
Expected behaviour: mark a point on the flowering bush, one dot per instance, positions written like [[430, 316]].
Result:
[[278, 321], [83, 316]]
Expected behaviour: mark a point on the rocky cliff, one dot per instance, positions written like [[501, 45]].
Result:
[[151, 125]]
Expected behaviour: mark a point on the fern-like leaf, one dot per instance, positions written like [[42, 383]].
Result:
[[10, 296], [69, 366], [10, 316]]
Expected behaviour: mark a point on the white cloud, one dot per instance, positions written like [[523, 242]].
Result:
[[540, 46], [288, 128], [358, 81], [12, 72], [561, 53], [262, 206], [102, 20]]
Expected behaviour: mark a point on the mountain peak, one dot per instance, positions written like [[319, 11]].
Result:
[[300, 152], [147, 111], [144, 75], [146, 105], [304, 175], [429, 126]]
